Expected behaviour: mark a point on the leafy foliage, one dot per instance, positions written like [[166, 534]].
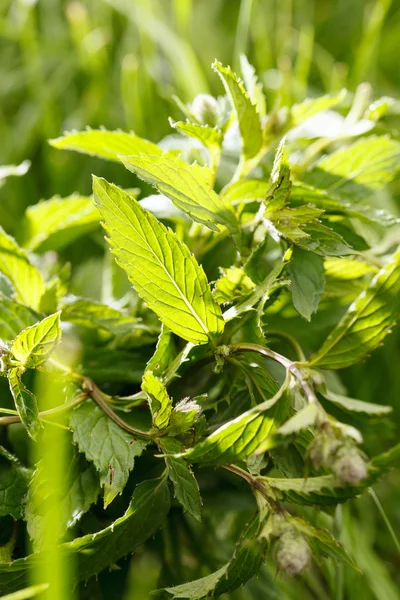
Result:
[[197, 359]]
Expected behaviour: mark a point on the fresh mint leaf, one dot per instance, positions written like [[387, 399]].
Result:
[[187, 186], [159, 400], [306, 274], [111, 449], [34, 345], [25, 403], [14, 480], [246, 113], [109, 145], [164, 272], [185, 484], [367, 321], [26, 279]]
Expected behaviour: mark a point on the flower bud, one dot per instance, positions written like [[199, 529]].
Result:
[[206, 110], [350, 467], [293, 553]]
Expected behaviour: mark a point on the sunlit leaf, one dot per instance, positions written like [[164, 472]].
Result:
[[161, 268]]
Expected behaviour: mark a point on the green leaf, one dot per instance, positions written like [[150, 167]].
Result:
[[98, 316], [240, 438], [351, 405], [93, 553], [367, 321], [13, 485], [323, 240], [306, 417], [253, 85], [208, 136], [81, 491], [25, 403], [111, 449], [311, 106], [200, 588], [244, 564], [356, 171], [187, 186], [164, 353], [322, 541], [15, 265], [301, 194], [306, 273], [53, 224], [105, 144], [14, 317], [185, 484], [161, 268], [159, 400], [245, 191], [246, 112], [33, 346]]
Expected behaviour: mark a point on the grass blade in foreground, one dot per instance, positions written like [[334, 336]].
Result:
[[160, 267]]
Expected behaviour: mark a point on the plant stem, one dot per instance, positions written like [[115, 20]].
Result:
[[285, 362], [45, 413], [101, 400]]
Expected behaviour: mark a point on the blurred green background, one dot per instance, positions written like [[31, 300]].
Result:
[[118, 63]]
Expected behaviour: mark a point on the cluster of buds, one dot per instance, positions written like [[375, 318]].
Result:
[[332, 450], [206, 110], [291, 550]]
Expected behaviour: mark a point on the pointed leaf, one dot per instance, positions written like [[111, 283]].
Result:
[[25, 278], [33, 346], [164, 353], [240, 438], [98, 316], [311, 106], [351, 405], [14, 480], [356, 171], [161, 268], [111, 449], [246, 112], [159, 400], [322, 541], [368, 320], [208, 136], [185, 484], [306, 273], [53, 224], [81, 491], [187, 186], [25, 403], [14, 317], [105, 144], [94, 552]]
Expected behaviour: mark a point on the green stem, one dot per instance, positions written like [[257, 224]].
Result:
[[46, 413], [101, 400], [285, 362]]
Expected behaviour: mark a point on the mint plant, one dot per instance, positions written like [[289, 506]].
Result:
[[263, 264]]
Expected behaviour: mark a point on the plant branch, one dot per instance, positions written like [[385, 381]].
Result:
[[285, 362], [101, 400]]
